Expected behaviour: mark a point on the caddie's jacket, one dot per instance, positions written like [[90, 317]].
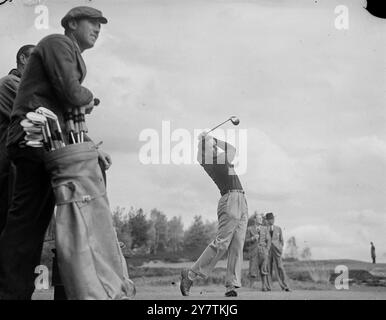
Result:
[[52, 79]]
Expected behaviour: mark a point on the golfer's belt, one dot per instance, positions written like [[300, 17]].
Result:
[[233, 190]]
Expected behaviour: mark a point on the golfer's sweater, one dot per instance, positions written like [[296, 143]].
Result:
[[220, 174]]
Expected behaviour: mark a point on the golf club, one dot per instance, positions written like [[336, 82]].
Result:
[[36, 124], [82, 119], [76, 124], [33, 137], [33, 129], [26, 123], [50, 115], [36, 119], [70, 127], [235, 121], [34, 144]]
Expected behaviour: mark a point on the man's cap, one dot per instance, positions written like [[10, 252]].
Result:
[[83, 12], [269, 215]]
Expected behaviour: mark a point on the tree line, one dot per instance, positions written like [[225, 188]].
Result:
[[154, 233]]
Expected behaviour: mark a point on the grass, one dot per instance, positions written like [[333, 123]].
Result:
[[307, 275]]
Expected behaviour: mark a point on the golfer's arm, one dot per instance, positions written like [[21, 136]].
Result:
[[225, 145], [60, 63], [229, 150]]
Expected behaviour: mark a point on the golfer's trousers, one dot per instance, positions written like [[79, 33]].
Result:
[[232, 215], [28, 217]]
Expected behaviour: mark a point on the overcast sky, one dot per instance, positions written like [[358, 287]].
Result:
[[310, 96]]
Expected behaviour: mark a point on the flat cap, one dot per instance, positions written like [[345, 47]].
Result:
[[83, 12], [269, 215]]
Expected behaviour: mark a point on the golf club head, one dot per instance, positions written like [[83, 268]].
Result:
[[35, 118], [27, 124], [47, 113], [33, 137], [34, 129], [235, 120], [34, 144]]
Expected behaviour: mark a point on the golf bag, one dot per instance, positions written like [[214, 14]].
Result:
[[90, 260]]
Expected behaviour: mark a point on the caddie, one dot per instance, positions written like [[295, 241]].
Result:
[[53, 79]]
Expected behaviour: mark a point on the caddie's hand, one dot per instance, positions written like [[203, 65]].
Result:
[[105, 158], [89, 107]]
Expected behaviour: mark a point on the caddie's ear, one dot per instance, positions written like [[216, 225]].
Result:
[[72, 24], [23, 59]]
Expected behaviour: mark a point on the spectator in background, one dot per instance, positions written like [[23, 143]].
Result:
[[275, 252], [251, 241], [8, 88], [258, 242], [373, 255], [264, 245]]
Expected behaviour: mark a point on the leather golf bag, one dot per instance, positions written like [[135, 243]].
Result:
[[90, 260]]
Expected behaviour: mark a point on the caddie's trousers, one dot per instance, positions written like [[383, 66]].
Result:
[[29, 214], [7, 177], [232, 215]]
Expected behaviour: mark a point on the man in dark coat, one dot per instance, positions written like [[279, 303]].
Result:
[[276, 251], [53, 79], [372, 251], [8, 88]]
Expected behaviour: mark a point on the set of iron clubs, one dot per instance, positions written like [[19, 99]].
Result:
[[43, 129]]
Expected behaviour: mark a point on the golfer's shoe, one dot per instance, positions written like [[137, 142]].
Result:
[[185, 283], [287, 289], [231, 293]]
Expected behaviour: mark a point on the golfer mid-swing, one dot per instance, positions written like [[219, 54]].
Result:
[[216, 157]]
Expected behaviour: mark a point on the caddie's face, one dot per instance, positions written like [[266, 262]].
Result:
[[271, 221], [87, 32]]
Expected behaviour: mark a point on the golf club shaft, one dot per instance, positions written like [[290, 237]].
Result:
[[218, 126]]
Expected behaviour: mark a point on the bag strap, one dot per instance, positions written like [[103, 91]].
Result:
[[84, 198]]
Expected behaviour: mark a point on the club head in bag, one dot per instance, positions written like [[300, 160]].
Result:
[[33, 137], [51, 115], [37, 119], [26, 123], [34, 144], [33, 129]]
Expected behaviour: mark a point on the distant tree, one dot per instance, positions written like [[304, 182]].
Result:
[[122, 226], [158, 231], [196, 238], [291, 250], [210, 229], [151, 237], [139, 227], [118, 214], [306, 254], [175, 234]]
